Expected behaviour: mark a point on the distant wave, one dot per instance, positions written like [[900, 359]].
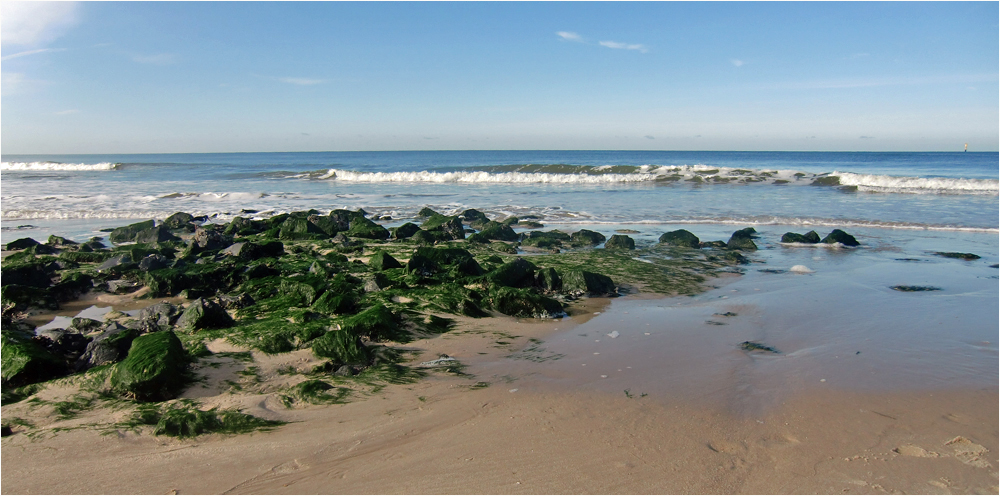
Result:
[[934, 185], [55, 166]]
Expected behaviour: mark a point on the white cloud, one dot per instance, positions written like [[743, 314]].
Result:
[[569, 36], [31, 52], [156, 59], [625, 46], [737, 62], [301, 81], [35, 23]]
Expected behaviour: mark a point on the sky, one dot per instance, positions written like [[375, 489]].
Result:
[[175, 77]]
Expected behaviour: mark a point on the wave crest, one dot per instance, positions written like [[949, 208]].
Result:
[[901, 184], [55, 166]]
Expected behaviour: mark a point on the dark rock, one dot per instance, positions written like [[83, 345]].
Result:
[[32, 274], [962, 256], [204, 314], [548, 280], [116, 264], [253, 251], [911, 289], [159, 315], [751, 346], [405, 231], [810, 237], [838, 236], [244, 227], [156, 234], [747, 232], [361, 227], [510, 221], [472, 215], [426, 212], [376, 282], [328, 225], [586, 237], [342, 347], [236, 301], [826, 181], [451, 227], [382, 261], [110, 347], [123, 286], [621, 242], [25, 361], [377, 323], [518, 302], [589, 282], [542, 239], [6, 431], [209, 239], [741, 240], [20, 244], [179, 220], [518, 273], [421, 265], [128, 233], [60, 241], [680, 237], [154, 262], [712, 244], [498, 231], [84, 325], [427, 237]]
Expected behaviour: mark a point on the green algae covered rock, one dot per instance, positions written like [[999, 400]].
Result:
[[518, 273], [620, 242], [404, 231], [589, 282], [810, 237], [365, 228], [518, 302], [450, 227], [383, 261], [342, 347], [456, 258], [24, 361], [545, 239], [498, 231], [377, 323], [127, 233], [585, 237], [838, 236], [20, 244], [204, 314], [179, 220], [154, 370], [426, 212], [296, 227], [742, 240], [680, 237], [548, 279]]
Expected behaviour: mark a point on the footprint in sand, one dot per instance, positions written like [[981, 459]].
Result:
[[913, 450], [969, 452]]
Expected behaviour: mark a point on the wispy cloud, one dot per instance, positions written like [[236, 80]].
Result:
[[67, 112], [156, 59], [31, 52], [569, 36], [35, 23], [625, 46], [737, 62], [301, 81]]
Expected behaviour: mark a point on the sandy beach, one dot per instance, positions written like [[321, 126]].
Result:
[[526, 433]]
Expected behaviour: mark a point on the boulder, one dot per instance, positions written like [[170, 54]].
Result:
[[20, 244], [421, 265], [680, 237], [585, 237], [382, 261], [253, 251], [377, 323], [518, 273], [741, 240], [204, 314], [156, 234], [209, 239], [236, 301], [472, 215], [122, 286], [838, 236], [545, 239], [426, 212], [620, 242], [154, 370], [810, 237], [548, 280], [450, 226], [116, 264], [84, 325], [25, 361], [299, 227], [498, 231], [342, 347], [525, 303], [154, 262], [361, 227], [128, 233], [159, 315], [109, 347], [31, 273], [376, 282], [179, 220], [405, 231], [591, 283], [60, 241]]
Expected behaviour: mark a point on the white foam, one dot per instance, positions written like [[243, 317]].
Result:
[[55, 166], [902, 184], [801, 269], [479, 177]]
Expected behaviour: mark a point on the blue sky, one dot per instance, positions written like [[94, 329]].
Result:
[[135, 77]]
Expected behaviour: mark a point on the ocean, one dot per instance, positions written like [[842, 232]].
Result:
[[837, 321]]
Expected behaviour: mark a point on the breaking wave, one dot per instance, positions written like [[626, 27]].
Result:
[[933, 185], [56, 166]]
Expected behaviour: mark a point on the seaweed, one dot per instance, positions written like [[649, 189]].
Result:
[[184, 419]]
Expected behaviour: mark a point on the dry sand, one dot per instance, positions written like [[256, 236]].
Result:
[[441, 435]]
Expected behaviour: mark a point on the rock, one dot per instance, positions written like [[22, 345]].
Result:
[[451, 227], [156, 234], [377, 323], [254, 251], [128, 233], [342, 347], [518, 302], [741, 240], [60, 241], [154, 370], [405, 231], [747, 232], [518, 273], [84, 325], [961, 256], [116, 264], [364, 228], [65, 342], [21, 244], [299, 227], [209, 239], [179, 220], [838, 236], [712, 244], [421, 265], [621, 242], [826, 181], [498, 231], [510, 221], [810, 237], [425, 237], [376, 282], [472, 215], [328, 225], [110, 347], [457, 258], [31, 273], [159, 315], [204, 314], [122, 286], [25, 361], [586, 237], [236, 301], [680, 237], [426, 212], [6, 431], [383, 261], [154, 262], [542, 239], [548, 280], [589, 282]]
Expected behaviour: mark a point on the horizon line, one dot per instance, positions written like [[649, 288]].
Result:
[[516, 150]]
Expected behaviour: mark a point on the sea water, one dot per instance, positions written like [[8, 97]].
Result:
[[838, 325]]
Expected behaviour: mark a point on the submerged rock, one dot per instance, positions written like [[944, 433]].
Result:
[[741, 240], [838, 236], [621, 242], [962, 256], [810, 237]]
